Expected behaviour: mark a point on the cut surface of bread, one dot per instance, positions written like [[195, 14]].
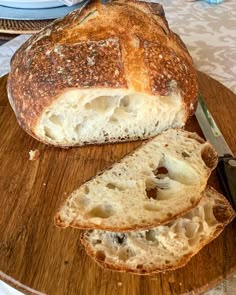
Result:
[[165, 247], [98, 116], [86, 79], [157, 182]]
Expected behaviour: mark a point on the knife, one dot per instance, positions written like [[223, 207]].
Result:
[[226, 167]]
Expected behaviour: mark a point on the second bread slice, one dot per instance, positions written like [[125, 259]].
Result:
[[165, 247], [159, 181]]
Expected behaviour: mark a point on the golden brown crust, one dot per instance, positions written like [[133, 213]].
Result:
[[92, 47], [223, 212]]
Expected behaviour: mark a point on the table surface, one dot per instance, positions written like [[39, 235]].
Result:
[[209, 33]]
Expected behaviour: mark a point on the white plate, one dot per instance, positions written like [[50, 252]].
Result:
[[31, 4], [37, 14]]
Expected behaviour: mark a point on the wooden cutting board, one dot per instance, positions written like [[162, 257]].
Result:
[[51, 260]]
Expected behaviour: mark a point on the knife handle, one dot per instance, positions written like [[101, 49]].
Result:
[[226, 169]]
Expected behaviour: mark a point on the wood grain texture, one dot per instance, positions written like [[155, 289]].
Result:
[[51, 260]]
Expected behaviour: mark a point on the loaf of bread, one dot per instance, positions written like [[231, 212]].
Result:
[[157, 182], [165, 247], [105, 73]]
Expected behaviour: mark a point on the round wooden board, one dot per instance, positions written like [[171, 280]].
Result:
[[51, 260]]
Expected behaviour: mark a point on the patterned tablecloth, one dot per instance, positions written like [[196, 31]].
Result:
[[209, 31]]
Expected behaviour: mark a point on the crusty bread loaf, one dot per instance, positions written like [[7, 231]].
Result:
[[157, 182], [165, 247], [104, 73]]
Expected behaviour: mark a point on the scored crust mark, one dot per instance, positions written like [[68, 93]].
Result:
[[51, 33], [169, 71], [88, 16], [181, 44], [158, 10], [155, 9]]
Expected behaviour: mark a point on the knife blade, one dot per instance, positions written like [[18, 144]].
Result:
[[226, 167]]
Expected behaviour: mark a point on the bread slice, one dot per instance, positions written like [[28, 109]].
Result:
[[165, 247], [157, 182], [86, 79]]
